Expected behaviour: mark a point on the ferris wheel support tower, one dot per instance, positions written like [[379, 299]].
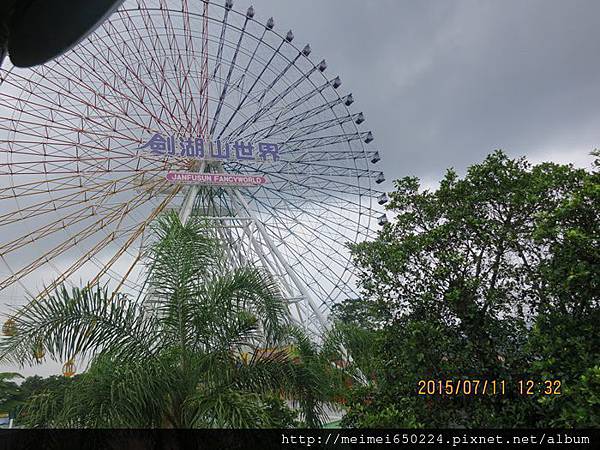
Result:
[[82, 174]]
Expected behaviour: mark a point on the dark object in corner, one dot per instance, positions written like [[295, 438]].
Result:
[[36, 31]]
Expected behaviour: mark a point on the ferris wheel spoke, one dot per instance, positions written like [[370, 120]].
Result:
[[139, 97], [309, 250], [305, 168], [70, 219], [315, 265], [296, 104], [316, 125], [139, 229], [46, 230], [301, 181], [29, 125], [69, 200], [79, 190], [77, 172], [56, 158], [326, 186], [318, 218], [62, 277], [168, 84], [108, 239], [158, 68], [123, 279], [316, 156], [232, 66], [49, 120], [153, 33], [69, 243], [221, 42], [62, 163], [140, 90], [282, 123], [203, 116], [249, 91], [301, 202], [32, 188], [183, 84], [189, 42], [268, 107], [323, 141], [232, 243], [240, 83], [174, 43], [91, 98], [323, 125], [53, 113], [334, 211]]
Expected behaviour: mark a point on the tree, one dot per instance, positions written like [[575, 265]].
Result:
[[211, 346], [492, 277], [14, 396], [11, 395], [565, 336]]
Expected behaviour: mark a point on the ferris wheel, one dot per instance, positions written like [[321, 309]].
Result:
[[196, 107]]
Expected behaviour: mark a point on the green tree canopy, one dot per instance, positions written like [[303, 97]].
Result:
[[493, 275]]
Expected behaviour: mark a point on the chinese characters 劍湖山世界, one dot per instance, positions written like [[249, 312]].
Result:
[[189, 147]]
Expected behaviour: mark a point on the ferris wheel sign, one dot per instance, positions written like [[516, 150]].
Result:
[[289, 156], [215, 179], [197, 148]]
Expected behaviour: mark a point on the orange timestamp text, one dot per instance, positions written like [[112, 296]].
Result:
[[487, 387]]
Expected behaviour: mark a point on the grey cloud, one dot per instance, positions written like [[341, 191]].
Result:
[[443, 83]]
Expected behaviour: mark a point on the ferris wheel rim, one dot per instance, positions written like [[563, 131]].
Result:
[[363, 184]]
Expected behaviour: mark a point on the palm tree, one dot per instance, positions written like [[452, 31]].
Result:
[[210, 346]]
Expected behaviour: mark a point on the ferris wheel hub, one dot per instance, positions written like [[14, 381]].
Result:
[[200, 109]]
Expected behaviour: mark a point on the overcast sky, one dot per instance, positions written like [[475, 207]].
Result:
[[443, 83]]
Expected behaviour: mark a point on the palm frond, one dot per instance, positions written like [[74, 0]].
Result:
[[244, 289], [174, 360], [76, 323], [181, 256], [226, 408]]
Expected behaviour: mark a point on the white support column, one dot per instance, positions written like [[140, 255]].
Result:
[[266, 263], [261, 254], [275, 251], [186, 211], [190, 198]]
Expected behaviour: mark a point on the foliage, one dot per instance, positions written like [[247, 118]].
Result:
[[493, 276], [14, 396], [210, 346], [11, 395]]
